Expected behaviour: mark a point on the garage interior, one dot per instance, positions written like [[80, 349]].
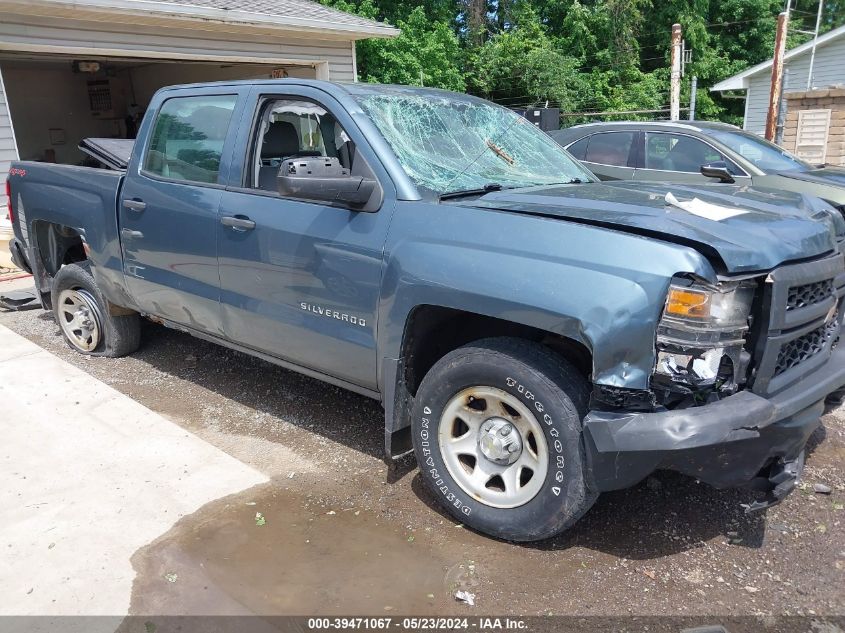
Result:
[[56, 101]]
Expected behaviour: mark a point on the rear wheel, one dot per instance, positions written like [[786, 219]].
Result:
[[497, 434], [84, 319]]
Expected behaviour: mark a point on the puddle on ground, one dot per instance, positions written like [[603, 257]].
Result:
[[303, 560]]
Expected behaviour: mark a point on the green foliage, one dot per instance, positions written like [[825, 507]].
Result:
[[584, 56], [426, 53]]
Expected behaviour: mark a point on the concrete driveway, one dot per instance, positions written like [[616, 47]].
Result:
[[89, 477]]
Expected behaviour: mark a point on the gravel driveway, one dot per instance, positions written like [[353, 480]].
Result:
[[340, 533]]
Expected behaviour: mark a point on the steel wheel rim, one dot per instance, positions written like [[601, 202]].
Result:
[[79, 318], [460, 438]]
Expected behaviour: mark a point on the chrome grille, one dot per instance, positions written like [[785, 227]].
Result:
[[809, 294]]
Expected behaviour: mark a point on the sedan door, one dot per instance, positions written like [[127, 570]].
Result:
[[300, 279]]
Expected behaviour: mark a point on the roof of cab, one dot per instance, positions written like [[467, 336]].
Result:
[[360, 88]]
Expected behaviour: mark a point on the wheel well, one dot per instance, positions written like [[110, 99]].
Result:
[[433, 331], [57, 245]]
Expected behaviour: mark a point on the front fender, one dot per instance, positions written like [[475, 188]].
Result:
[[602, 288]]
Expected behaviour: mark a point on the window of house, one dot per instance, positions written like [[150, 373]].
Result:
[[188, 136], [678, 152], [293, 128], [610, 148], [811, 137]]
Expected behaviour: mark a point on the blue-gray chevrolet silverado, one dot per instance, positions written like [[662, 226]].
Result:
[[535, 336]]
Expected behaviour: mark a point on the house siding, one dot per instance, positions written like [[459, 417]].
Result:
[[50, 35], [8, 149], [18, 32], [828, 70]]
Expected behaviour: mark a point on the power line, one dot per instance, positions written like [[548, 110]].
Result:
[[616, 112]]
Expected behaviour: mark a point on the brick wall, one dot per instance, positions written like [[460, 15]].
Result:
[[832, 99]]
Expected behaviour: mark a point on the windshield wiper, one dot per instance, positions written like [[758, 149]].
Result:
[[490, 186]]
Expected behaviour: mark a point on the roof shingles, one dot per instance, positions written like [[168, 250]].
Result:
[[297, 9]]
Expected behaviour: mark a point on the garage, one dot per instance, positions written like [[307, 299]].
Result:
[[70, 70]]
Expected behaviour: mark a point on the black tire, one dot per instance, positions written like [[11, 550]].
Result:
[[119, 335], [836, 398], [540, 380]]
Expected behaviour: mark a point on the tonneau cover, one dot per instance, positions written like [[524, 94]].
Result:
[[113, 152]]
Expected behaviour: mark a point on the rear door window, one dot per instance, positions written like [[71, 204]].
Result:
[[610, 148], [188, 136]]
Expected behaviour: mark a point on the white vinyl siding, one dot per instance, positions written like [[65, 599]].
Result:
[[8, 149], [758, 103], [21, 32], [828, 70], [811, 138]]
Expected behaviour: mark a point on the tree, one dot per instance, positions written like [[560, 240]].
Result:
[[522, 66], [580, 55], [427, 51]]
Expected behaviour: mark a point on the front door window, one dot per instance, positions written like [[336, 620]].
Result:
[[678, 152]]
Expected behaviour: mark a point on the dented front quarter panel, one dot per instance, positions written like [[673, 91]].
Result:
[[602, 288]]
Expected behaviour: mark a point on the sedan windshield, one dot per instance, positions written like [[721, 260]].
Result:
[[761, 153], [448, 143]]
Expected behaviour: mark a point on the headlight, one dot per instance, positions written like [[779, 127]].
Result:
[[701, 334], [722, 306]]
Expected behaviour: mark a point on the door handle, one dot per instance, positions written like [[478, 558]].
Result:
[[237, 222], [131, 233], [134, 205]]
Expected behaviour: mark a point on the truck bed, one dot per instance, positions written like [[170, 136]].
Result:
[[83, 199]]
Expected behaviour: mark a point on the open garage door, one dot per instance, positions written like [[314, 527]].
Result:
[[53, 102]]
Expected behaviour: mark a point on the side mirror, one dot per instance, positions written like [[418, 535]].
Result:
[[323, 179], [719, 170]]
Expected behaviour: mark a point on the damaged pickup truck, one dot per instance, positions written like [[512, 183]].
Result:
[[535, 336]]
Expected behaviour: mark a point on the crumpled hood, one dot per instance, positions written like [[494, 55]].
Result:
[[825, 176], [776, 227]]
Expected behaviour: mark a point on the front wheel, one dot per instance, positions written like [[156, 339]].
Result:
[[497, 434]]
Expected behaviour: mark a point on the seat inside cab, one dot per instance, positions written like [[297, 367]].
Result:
[[296, 129]]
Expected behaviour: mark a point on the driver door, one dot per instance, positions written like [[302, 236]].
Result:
[[300, 280]]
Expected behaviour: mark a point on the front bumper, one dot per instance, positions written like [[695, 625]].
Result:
[[740, 440]]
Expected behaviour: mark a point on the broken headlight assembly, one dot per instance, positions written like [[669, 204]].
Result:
[[700, 339]]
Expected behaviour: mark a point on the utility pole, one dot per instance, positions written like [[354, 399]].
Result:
[[675, 86], [777, 76], [692, 91]]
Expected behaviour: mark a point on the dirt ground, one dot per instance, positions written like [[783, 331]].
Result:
[[336, 532]]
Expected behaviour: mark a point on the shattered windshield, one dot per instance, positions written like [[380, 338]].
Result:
[[447, 144]]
